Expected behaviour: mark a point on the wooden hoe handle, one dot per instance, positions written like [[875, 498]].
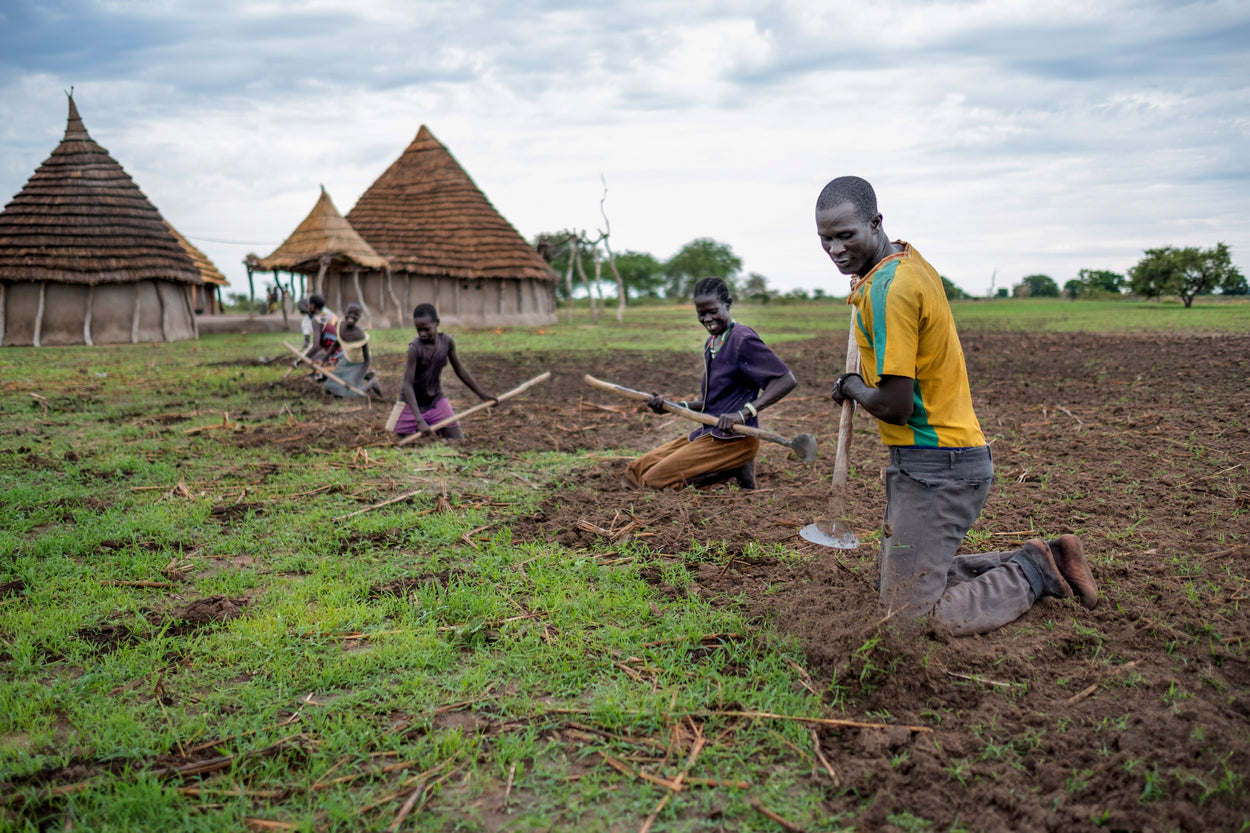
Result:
[[519, 389], [323, 371], [686, 413]]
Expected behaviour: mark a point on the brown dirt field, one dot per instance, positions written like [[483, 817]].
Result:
[[1138, 444]]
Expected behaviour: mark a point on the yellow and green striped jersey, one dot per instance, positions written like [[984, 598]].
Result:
[[904, 328]]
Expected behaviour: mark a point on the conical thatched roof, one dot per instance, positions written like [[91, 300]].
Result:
[[82, 220], [427, 217], [208, 270], [324, 233]]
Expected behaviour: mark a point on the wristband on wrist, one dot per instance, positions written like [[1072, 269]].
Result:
[[751, 407], [842, 380]]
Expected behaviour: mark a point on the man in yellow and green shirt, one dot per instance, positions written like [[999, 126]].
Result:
[[913, 379]]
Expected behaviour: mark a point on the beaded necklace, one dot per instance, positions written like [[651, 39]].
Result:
[[714, 346]]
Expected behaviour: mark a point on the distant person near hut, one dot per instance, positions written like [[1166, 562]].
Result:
[[354, 368], [422, 394], [271, 301], [305, 325], [741, 377], [324, 347]]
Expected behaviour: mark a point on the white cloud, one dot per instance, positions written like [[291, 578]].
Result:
[[1028, 137]]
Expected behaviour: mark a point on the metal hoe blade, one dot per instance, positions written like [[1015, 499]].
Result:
[[834, 537]]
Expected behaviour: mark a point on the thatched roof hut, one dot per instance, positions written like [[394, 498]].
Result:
[[447, 245], [85, 258], [207, 299], [323, 238], [327, 249]]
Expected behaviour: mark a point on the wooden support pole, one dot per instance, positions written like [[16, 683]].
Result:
[[134, 317], [360, 293], [86, 318], [251, 294], [160, 299], [195, 325], [43, 289], [390, 288]]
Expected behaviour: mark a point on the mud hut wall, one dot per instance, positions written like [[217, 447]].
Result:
[[381, 309], [177, 322], [164, 315], [111, 309], [21, 301], [419, 289], [507, 302], [340, 290], [64, 311]]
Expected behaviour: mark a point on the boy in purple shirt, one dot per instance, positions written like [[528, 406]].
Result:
[[741, 377]]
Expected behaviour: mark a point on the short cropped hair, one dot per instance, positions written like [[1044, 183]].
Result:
[[316, 301], [850, 189], [425, 311], [713, 286]]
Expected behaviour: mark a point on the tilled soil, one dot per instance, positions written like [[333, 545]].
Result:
[[1132, 716]]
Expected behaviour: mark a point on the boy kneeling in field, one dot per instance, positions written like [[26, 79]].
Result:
[[741, 377]]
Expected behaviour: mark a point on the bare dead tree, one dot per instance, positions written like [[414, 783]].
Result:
[[576, 255], [568, 278], [605, 236]]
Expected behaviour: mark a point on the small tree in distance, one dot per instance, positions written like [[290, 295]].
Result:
[[756, 288], [1095, 281], [1186, 273], [953, 293], [697, 259], [1036, 286]]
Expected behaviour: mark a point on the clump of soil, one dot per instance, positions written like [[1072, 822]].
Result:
[[194, 616], [401, 587], [211, 610]]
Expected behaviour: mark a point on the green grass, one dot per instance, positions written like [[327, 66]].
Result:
[[330, 672], [402, 647]]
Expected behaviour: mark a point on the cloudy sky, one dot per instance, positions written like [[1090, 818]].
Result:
[[1004, 138]]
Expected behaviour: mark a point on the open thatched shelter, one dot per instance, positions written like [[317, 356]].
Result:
[[343, 267], [208, 298], [447, 245], [85, 258]]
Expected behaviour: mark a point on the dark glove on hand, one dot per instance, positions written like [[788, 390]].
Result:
[[656, 403], [839, 395]]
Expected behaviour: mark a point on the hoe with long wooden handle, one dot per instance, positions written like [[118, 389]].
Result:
[[833, 532], [519, 389], [323, 371], [803, 446]]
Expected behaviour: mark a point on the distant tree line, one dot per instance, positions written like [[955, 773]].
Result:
[[572, 255], [1169, 271]]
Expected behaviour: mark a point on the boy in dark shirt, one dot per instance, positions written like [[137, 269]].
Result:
[[422, 393], [741, 377]]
